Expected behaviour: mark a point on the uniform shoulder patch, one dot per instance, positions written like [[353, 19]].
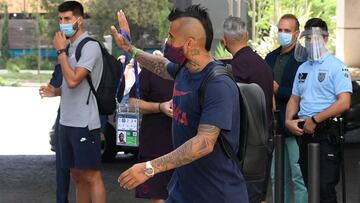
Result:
[[302, 77], [346, 71]]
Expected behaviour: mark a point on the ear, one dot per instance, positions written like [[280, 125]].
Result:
[[326, 39], [189, 44], [224, 41], [246, 36], [81, 20], [296, 35]]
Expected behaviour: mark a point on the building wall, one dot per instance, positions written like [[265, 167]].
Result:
[[348, 32], [218, 10], [22, 34], [27, 6]]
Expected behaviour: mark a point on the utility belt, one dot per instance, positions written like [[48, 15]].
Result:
[[326, 130]]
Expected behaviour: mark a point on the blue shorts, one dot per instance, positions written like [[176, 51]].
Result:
[[79, 147]]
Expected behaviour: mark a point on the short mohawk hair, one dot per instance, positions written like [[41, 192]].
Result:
[[200, 13]]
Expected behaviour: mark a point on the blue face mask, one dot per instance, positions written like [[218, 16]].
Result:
[[284, 39], [68, 28]]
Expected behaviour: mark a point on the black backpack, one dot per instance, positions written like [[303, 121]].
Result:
[[111, 74], [253, 154]]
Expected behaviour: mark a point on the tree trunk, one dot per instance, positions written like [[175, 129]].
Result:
[[39, 55], [275, 12], [253, 19]]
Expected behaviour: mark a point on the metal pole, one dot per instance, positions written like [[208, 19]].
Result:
[[279, 163], [230, 8], [253, 19], [358, 175], [279, 168], [238, 7], [314, 172], [342, 157]]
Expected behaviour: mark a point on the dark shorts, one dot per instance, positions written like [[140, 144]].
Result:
[[79, 147], [155, 187]]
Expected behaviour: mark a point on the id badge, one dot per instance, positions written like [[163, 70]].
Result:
[[127, 125]]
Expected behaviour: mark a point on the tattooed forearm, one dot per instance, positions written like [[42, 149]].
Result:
[[195, 148], [153, 63]]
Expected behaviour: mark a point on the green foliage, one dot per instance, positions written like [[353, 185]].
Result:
[[2, 82], [41, 30], [42, 24], [47, 65], [12, 66], [31, 61], [51, 16], [24, 78], [2, 63], [5, 47], [146, 18], [267, 44], [221, 52], [103, 15], [266, 14], [149, 13], [16, 64]]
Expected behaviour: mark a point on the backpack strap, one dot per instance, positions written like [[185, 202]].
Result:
[[230, 153], [217, 71], [178, 68], [77, 57], [81, 45]]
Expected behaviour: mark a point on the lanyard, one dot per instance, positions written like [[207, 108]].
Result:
[[127, 60]]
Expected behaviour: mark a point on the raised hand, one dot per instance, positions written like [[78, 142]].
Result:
[[118, 38], [60, 41], [123, 23]]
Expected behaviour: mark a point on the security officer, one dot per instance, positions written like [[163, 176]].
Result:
[[321, 92]]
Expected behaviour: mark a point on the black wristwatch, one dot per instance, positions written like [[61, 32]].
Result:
[[60, 51], [313, 120]]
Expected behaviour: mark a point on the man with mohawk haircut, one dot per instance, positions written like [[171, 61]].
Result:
[[203, 172]]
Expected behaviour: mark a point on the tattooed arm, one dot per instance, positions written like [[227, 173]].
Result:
[[195, 148], [153, 63]]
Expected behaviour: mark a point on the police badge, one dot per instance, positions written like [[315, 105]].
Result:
[[321, 76]]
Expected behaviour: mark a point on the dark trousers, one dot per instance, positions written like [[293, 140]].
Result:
[[329, 165], [62, 175]]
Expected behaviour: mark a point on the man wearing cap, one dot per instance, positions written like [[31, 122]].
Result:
[[321, 92]]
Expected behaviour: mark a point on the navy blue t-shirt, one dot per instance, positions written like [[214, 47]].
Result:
[[215, 177]]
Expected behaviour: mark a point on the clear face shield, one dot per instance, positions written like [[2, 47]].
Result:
[[311, 45]]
